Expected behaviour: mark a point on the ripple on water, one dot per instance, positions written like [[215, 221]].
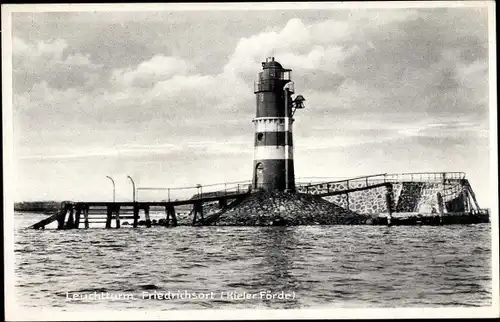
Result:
[[362, 266]]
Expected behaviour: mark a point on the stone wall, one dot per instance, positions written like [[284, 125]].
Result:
[[406, 197], [428, 195], [372, 201]]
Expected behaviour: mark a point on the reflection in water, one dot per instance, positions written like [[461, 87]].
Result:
[[279, 248]]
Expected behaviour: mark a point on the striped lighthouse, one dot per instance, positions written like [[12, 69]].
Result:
[[273, 154]]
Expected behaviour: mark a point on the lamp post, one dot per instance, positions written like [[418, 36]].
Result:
[[133, 186], [198, 187], [113, 181]]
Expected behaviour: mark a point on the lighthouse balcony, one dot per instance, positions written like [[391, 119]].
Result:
[[271, 85]]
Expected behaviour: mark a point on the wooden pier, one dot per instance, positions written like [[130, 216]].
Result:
[[73, 215]]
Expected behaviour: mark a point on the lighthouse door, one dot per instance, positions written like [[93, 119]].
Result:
[[259, 176]]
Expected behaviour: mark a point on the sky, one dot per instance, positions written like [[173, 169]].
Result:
[[166, 96]]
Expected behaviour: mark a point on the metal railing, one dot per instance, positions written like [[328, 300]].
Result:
[[193, 192], [239, 187], [431, 177]]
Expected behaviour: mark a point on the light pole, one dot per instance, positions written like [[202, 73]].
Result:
[[133, 186], [113, 181], [198, 187]]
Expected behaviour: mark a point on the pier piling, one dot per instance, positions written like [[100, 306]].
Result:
[[109, 216], [62, 216], [388, 200], [170, 210], [71, 221], [117, 214], [146, 214], [77, 217], [440, 202], [136, 215], [222, 203], [86, 215], [198, 211]]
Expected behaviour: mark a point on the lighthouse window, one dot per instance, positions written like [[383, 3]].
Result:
[[260, 136]]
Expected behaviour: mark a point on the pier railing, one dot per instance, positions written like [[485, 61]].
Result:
[[226, 189], [200, 191], [431, 177]]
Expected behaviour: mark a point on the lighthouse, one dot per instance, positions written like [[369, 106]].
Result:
[[273, 148]]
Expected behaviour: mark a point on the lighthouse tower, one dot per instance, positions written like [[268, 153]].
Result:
[[273, 154]]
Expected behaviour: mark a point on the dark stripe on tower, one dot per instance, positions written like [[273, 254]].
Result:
[[272, 138], [272, 105], [274, 174]]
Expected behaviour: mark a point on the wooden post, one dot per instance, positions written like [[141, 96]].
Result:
[[136, 215], [197, 210], [77, 216], [86, 214], [71, 221], [440, 203], [62, 217], [388, 200], [117, 214], [146, 214], [200, 209], [466, 200], [464, 195], [473, 195], [469, 201], [109, 216], [173, 217], [222, 203], [194, 214], [167, 216]]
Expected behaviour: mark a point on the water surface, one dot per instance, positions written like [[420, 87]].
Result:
[[320, 266]]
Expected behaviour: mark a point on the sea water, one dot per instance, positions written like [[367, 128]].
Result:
[[161, 268]]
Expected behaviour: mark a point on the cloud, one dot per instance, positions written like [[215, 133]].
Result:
[[35, 62], [116, 90], [213, 148], [408, 61], [149, 72]]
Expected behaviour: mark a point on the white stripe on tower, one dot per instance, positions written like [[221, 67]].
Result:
[[273, 152], [272, 124]]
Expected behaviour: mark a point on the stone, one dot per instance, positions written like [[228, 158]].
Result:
[[279, 208]]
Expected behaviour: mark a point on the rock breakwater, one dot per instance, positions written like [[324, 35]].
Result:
[[281, 208]]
